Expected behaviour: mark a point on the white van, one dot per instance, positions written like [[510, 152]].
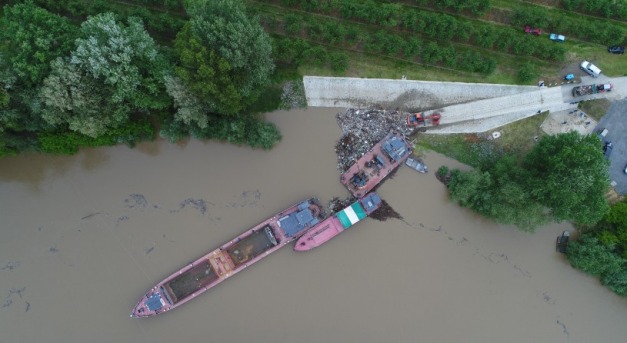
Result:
[[590, 68], [601, 134]]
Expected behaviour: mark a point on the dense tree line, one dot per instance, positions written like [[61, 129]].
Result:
[[381, 41], [64, 86], [604, 8], [601, 250], [602, 32], [563, 177], [438, 27], [168, 19], [475, 7]]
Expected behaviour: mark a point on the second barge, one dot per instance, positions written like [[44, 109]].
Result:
[[385, 156], [231, 258], [337, 223]]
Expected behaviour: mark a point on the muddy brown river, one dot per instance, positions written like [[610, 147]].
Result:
[[83, 237]]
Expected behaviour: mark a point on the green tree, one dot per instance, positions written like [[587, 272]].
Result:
[[114, 71], [616, 280], [568, 174], [225, 55], [591, 256], [31, 38], [497, 193], [34, 37], [339, 61], [526, 73], [4, 99]]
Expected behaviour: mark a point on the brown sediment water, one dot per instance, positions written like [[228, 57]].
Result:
[[83, 237]]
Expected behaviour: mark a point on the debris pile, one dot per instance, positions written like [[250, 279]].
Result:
[[336, 204], [293, 95], [362, 129], [384, 212]]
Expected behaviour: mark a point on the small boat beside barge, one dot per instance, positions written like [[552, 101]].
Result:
[[337, 223], [417, 165], [229, 259], [384, 157]]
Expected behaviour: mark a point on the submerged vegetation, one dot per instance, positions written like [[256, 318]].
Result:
[[601, 249]]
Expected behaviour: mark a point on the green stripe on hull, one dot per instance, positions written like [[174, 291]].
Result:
[[351, 215]]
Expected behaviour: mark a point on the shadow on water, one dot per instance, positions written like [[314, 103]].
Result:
[[151, 148], [33, 169]]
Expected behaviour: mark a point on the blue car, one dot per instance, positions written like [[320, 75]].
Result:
[[557, 38]]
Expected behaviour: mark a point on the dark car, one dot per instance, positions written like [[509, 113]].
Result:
[[562, 242], [616, 49], [607, 149]]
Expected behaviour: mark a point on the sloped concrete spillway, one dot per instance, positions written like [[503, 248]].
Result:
[[465, 107]]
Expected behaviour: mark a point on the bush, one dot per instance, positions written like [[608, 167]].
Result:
[[293, 24], [591, 256], [339, 62], [526, 73], [68, 142]]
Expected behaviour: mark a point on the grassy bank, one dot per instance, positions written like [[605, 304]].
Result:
[[473, 149]]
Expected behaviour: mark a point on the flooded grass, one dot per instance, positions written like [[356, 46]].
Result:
[[519, 137], [474, 149]]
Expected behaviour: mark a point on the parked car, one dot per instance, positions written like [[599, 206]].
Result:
[[616, 49], [607, 149], [533, 31], [590, 68], [557, 38], [562, 242]]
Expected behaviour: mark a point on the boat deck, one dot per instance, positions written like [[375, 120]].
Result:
[[375, 165], [232, 257], [189, 282], [252, 246], [327, 229], [342, 220]]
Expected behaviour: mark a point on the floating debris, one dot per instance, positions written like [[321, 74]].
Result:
[[336, 204], [198, 204], [247, 199], [121, 219], [11, 265], [136, 200], [385, 212], [90, 215]]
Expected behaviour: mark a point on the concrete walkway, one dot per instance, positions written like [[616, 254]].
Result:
[[465, 107]]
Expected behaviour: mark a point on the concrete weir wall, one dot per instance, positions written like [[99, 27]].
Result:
[[406, 94]]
